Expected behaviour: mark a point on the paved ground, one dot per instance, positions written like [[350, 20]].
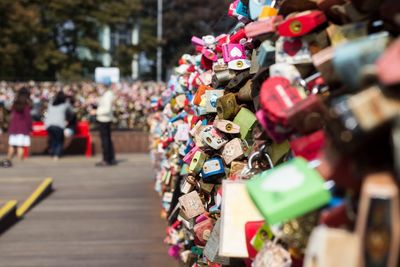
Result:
[[96, 217]]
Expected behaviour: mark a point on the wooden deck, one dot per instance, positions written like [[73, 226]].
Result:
[[96, 216]]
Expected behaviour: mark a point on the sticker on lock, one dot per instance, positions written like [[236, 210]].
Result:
[[212, 137]]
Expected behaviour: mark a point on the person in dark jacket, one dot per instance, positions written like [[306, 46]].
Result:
[[56, 121], [20, 127]]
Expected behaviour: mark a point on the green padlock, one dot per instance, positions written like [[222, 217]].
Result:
[[288, 191], [278, 151], [246, 120], [197, 162], [184, 169]]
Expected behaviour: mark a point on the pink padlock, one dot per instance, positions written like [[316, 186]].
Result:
[[197, 41], [233, 51], [211, 55]]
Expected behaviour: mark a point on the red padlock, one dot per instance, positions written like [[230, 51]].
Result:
[[277, 97], [308, 146], [251, 229], [301, 24], [237, 36]]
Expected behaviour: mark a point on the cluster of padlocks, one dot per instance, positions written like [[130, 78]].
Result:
[[278, 143]]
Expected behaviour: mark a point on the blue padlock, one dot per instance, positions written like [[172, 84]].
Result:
[[213, 169]]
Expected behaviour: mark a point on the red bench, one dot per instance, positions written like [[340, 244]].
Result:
[[82, 131]]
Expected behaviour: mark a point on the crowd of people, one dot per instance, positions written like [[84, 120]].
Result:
[[131, 107], [61, 106]]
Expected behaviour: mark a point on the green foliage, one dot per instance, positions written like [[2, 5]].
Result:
[[41, 39], [45, 39]]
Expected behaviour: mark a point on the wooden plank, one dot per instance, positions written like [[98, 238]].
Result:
[[98, 217]]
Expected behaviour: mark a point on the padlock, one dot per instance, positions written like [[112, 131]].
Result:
[[187, 223], [273, 254], [197, 41], [323, 63], [308, 146], [266, 54], [189, 156], [288, 71], [199, 94], [182, 133], [292, 51], [220, 65], [209, 54], [246, 120], [251, 229], [184, 170], [336, 217], [213, 170], [263, 234], [351, 58], [288, 191], [255, 7], [272, 129], [197, 162], [277, 96], [385, 65], [262, 27], [236, 169], [277, 151], [209, 41], [245, 93], [372, 108], [212, 137], [236, 207], [254, 66], [206, 77], [191, 205], [267, 12], [307, 115], [239, 64], [236, 83], [329, 247], [341, 34], [301, 24], [211, 97], [221, 78], [188, 184], [242, 10], [203, 230], [212, 247], [317, 41], [227, 107], [233, 150], [206, 187], [196, 129], [226, 126], [233, 51], [237, 37], [378, 221]]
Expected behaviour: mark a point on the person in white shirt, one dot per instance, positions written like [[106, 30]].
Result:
[[104, 117]]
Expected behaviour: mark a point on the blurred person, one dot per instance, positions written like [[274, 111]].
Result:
[[19, 128], [104, 116], [56, 122], [72, 120]]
